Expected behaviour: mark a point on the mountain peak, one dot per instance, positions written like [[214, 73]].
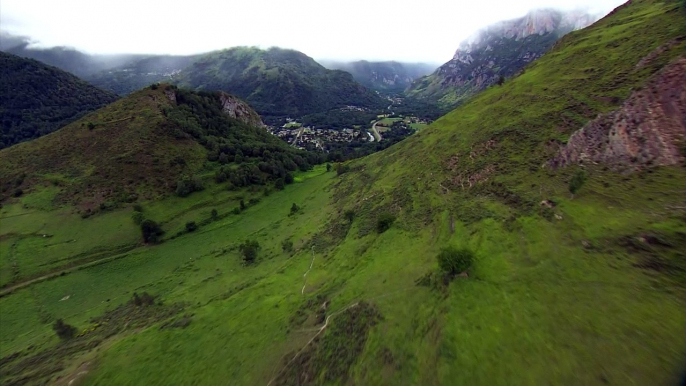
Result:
[[536, 22]]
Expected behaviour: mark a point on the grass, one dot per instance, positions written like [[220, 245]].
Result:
[[588, 292]]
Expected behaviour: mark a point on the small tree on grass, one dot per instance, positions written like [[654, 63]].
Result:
[[454, 261], [151, 231], [242, 204], [289, 178], [384, 222], [214, 214], [191, 226], [294, 208], [249, 250], [349, 215], [287, 245], [328, 167], [64, 330], [279, 184], [501, 80], [578, 180]]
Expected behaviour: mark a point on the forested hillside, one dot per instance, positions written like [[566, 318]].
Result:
[[38, 99]]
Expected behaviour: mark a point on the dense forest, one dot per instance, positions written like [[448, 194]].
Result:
[[38, 99], [250, 155]]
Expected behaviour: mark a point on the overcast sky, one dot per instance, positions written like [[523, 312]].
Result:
[[417, 30]]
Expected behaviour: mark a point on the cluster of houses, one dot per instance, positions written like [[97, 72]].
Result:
[[308, 137]]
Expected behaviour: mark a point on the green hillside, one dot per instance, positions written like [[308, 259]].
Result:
[[147, 145], [277, 82], [38, 99], [584, 288]]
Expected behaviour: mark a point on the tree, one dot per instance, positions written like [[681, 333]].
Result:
[[191, 226], [501, 80], [249, 249], [214, 214], [577, 181], [279, 184], [64, 330], [328, 167], [349, 215], [454, 261], [151, 231], [287, 245], [384, 222], [289, 178], [294, 208], [242, 205]]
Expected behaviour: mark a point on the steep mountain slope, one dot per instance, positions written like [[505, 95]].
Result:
[[140, 73], [383, 76], [502, 49], [142, 145], [277, 82], [581, 289], [38, 99]]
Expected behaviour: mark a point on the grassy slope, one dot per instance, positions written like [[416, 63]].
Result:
[[538, 306]]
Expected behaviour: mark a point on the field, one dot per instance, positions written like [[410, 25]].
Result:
[[565, 289]]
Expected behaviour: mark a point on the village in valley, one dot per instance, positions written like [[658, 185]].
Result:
[[309, 137]]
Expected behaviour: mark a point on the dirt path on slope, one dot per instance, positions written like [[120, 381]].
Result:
[[302, 292]]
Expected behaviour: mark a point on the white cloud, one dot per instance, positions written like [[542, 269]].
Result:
[[417, 30]]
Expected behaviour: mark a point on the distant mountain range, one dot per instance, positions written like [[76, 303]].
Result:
[[136, 74], [277, 82], [38, 99], [502, 49], [382, 76]]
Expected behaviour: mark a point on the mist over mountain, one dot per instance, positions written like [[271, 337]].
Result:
[[500, 50], [388, 76]]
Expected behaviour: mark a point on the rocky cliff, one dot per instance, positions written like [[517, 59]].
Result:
[[237, 109], [649, 129], [502, 49]]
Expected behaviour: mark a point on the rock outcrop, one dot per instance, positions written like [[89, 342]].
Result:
[[502, 49], [649, 129], [237, 109]]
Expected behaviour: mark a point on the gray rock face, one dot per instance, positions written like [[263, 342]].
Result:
[[237, 109], [502, 49], [648, 130]]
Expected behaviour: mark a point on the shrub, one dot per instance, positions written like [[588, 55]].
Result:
[[137, 218], [294, 208], [64, 330], [289, 178], [328, 167], [91, 125], [137, 208], [18, 192], [454, 261], [214, 214], [242, 205], [349, 215], [154, 86], [151, 231], [501, 80], [384, 222], [279, 184], [287, 245], [249, 250], [145, 299], [236, 210], [188, 185], [341, 169], [577, 181], [191, 226]]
